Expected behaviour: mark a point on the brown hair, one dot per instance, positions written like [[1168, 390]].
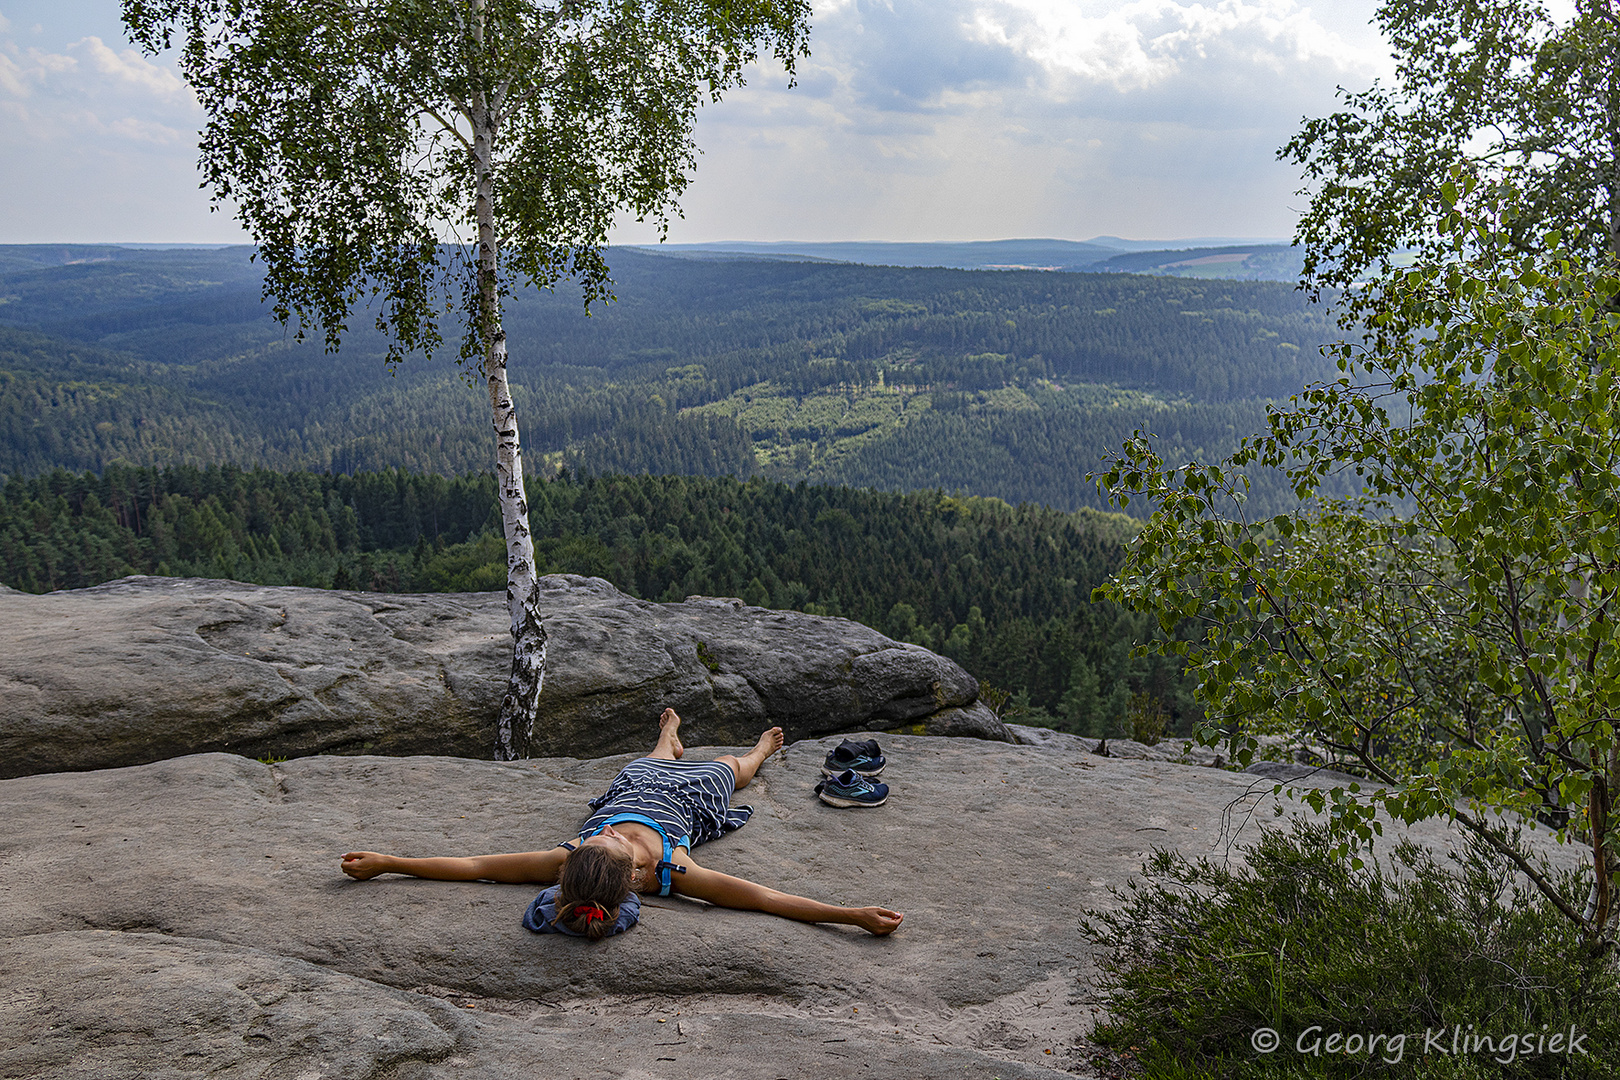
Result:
[[592, 877]]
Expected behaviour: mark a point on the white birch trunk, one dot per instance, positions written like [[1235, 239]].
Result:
[[514, 728], [1612, 113]]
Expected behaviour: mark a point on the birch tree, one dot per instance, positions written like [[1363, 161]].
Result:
[[419, 159], [1503, 86], [1501, 90], [1424, 634]]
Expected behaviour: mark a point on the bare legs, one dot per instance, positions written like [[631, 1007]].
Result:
[[669, 748], [745, 766]]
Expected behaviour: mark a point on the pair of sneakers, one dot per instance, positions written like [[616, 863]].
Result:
[[848, 773]]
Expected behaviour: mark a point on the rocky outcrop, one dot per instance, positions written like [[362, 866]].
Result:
[[1190, 752], [148, 668], [188, 918], [1180, 751]]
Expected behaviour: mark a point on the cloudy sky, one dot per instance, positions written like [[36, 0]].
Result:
[[913, 120]]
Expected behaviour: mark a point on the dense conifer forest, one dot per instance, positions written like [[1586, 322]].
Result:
[[1003, 590], [1002, 383]]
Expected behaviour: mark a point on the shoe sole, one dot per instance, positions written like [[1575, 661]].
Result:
[[846, 804], [830, 773]]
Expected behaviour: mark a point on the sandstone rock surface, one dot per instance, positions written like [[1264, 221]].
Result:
[[148, 668], [1180, 751], [187, 917], [1186, 752]]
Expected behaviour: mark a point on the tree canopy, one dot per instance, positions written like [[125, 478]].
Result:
[[1449, 632], [345, 133], [1445, 632], [1501, 84]]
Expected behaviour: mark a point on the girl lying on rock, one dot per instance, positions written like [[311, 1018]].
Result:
[[639, 840]]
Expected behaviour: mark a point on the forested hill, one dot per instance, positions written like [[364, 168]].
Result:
[[1003, 590], [1004, 383]]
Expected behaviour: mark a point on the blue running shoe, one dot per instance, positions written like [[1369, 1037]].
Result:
[[849, 789], [863, 757]]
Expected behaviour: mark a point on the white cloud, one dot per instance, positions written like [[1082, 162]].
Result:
[[921, 119], [131, 70], [11, 77], [100, 146], [135, 129], [913, 119], [1224, 63], [88, 89], [1148, 42]]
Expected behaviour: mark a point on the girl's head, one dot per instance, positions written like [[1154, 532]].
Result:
[[593, 882]]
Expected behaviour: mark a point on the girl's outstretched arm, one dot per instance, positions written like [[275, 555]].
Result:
[[724, 890], [531, 867]]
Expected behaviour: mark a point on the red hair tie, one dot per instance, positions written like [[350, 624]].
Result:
[[591, 912]]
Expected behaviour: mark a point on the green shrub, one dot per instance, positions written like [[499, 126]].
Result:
[[1200, 955], [1146, 718]]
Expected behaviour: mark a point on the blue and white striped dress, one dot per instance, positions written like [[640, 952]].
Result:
[[687, 799]]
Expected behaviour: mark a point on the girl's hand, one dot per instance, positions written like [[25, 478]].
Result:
[[877, 920], [361, 865]]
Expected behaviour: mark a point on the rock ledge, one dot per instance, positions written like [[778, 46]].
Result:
[[148, 668]]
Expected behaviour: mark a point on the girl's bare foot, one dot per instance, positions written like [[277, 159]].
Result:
[[769, 743], [747, 765], [669, 724]]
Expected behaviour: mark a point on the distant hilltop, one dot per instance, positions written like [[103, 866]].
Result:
[[1243, 259], [1211, 257]]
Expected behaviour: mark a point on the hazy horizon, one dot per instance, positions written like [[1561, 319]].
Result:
[[1170, 244]]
